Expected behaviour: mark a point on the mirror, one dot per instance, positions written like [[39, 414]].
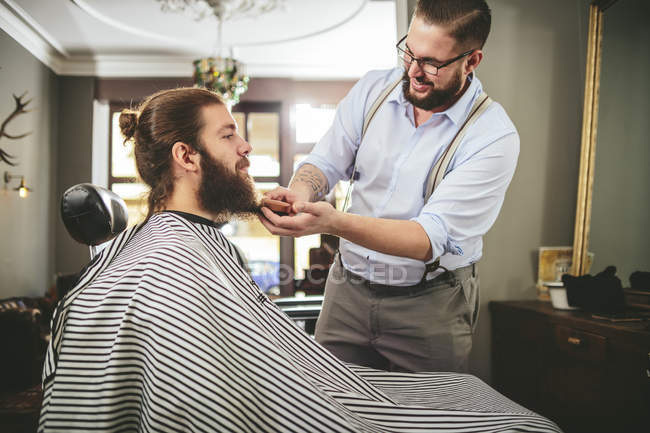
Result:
[[613, 208]]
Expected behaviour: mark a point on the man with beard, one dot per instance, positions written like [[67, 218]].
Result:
[[165, 331], [430, 161]]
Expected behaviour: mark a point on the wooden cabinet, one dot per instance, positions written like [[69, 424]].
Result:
[[587, 375]]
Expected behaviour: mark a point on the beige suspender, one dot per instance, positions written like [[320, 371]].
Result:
[[439, 170], [375, 106], [380, 100]]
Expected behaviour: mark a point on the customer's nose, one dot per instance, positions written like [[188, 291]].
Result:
[[245, 148]]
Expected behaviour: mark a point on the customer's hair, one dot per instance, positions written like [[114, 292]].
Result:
[[468, 20], [163, 119]]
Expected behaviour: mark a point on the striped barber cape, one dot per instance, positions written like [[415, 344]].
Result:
[[165, 331]]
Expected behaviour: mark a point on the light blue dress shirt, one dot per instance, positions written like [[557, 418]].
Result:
[[394, 161]]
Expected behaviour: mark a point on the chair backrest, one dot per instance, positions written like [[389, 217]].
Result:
[[92, 214]]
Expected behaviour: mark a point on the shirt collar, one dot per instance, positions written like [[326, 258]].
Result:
[[457, 112]]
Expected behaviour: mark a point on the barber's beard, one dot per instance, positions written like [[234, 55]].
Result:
[[224, 192], [436, 97]]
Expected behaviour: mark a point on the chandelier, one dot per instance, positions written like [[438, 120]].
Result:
[[222, 9], [222, 74]]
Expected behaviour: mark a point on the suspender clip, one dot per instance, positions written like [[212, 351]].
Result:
[[431, 267]]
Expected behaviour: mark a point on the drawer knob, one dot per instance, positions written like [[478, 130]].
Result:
[[574, 341]]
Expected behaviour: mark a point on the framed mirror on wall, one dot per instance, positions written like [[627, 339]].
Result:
[[613, 207]]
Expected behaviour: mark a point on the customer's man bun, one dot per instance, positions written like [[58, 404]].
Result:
[[128, 123]]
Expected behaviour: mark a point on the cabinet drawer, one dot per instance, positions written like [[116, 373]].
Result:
[[580, 344]]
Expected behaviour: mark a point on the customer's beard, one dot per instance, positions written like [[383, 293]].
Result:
[[226, 193], [436, 97]]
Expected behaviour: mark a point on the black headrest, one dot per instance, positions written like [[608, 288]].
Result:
[[92, 214]]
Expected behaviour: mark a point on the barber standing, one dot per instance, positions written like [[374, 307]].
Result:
[[430, 170]]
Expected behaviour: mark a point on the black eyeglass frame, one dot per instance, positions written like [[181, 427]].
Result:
[[420, 62]]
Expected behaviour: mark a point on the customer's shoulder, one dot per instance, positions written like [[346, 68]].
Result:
[[165, 234]]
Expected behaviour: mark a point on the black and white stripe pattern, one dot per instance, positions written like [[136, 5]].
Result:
[[166, 332]]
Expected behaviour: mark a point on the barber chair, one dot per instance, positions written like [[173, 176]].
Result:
[[302, 310], [94, 215]]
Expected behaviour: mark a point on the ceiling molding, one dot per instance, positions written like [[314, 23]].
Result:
[[113, 66], [118, 25], [33, 41], [143, 66], [36, 27], [18, 24]]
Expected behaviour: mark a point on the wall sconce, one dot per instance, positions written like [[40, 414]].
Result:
[[22, 189]]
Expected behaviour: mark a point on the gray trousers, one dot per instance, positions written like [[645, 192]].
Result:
[[430, 330]]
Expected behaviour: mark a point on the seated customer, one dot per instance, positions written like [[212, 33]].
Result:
[[165, 331]]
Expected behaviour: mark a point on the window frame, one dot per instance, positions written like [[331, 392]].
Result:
[[286, 170]]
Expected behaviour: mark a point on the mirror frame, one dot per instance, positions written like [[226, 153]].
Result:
[[580, 262]]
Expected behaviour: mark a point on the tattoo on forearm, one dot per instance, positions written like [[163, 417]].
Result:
[[314, 178]]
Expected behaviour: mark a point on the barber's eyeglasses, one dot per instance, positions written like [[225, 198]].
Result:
[[426, 65]]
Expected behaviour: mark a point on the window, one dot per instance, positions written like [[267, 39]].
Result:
[[259, 124], [311, 123]]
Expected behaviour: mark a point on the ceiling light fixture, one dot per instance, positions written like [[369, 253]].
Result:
[[223, 9], [222, 73]]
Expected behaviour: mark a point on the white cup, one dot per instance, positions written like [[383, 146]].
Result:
[[558, 296]]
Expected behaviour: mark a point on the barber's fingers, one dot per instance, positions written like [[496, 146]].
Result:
[[277, 220], [282, 194], [276, 193], [286, 222], [273, 229], [308, 207]]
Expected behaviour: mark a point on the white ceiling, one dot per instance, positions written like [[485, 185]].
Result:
[[309, 39]]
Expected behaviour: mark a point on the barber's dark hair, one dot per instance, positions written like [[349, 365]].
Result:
[[468, 20], [161, 120]]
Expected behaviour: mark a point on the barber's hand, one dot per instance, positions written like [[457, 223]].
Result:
[[310, 218], [285, 194]]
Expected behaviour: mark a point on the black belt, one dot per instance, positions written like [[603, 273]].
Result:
[[385, 290]]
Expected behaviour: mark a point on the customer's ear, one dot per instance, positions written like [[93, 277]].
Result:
[[185, 157]]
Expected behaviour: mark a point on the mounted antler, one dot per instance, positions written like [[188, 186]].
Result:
[[20, 109]]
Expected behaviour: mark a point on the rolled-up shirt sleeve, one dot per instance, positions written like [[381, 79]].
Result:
[[467, 201]]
